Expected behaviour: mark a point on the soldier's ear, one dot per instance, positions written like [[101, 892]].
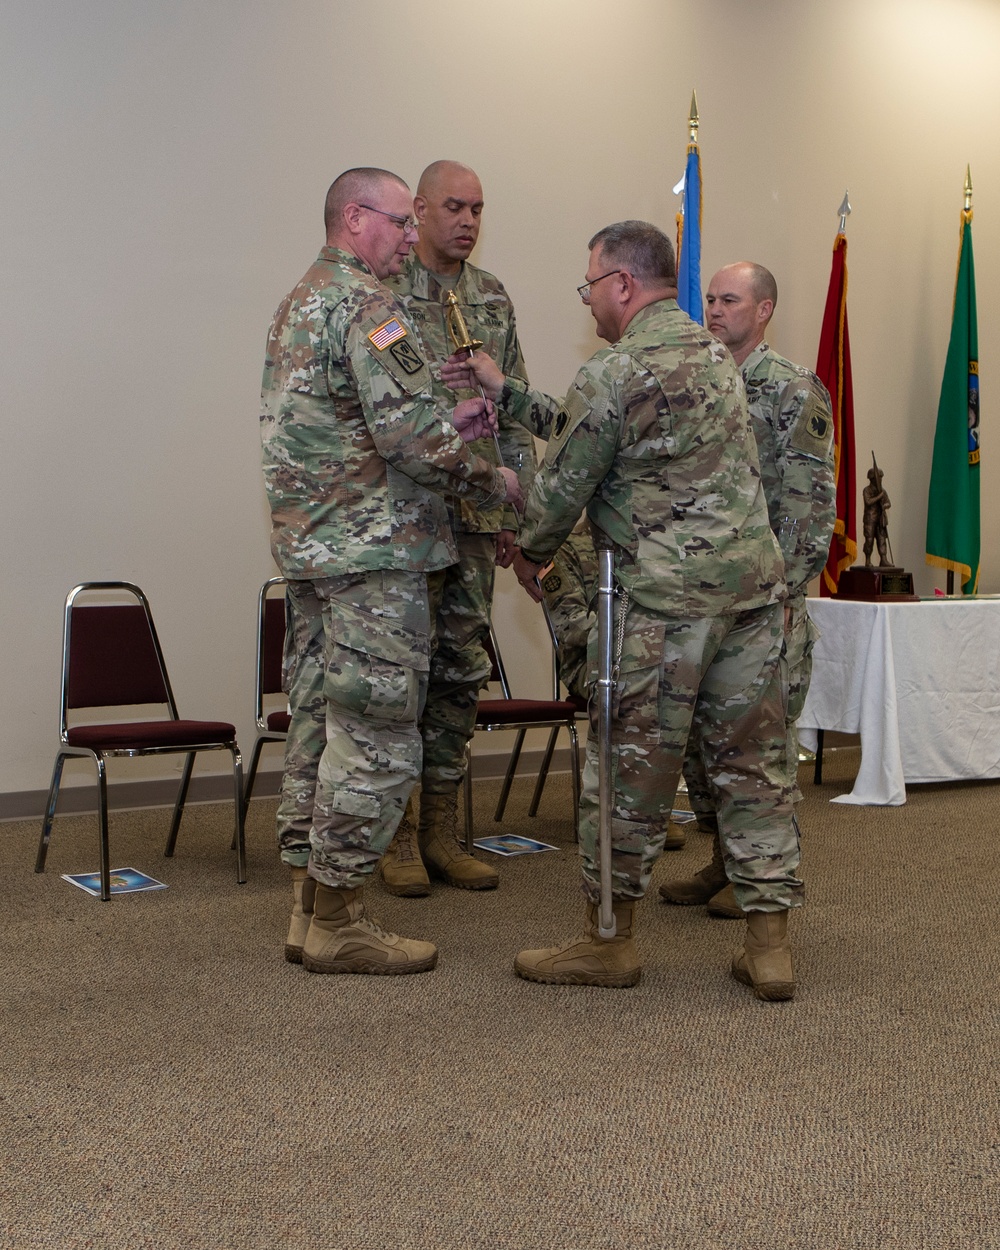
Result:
[[419, 207], [352, 217], [765, 310]]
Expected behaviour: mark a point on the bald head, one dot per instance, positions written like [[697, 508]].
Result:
[[448, 207], [356, 186], [741, 299], [438, 172]]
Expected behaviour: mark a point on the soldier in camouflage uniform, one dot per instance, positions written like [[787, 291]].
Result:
[[569, 589], [653, 439], [353, 453], [793, 427], [448, 207]]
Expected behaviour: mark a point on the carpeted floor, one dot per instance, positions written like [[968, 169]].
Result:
[[169, 1081]]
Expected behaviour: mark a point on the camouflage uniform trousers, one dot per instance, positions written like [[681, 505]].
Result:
[[717, 679], [357, 656], [796, 672], [461, 597]]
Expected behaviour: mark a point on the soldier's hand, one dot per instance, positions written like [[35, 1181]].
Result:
[[505, 548], [463, 373], [527, 574], [474, 419], [514, 496]]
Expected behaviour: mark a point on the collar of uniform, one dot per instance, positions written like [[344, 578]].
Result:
[[644, 314], [424, 285], [337, 255], [753, 360]]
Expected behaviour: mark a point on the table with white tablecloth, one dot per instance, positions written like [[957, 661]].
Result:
[[920, 682]]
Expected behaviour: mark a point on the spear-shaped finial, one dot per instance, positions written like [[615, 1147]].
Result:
[[845, 212], [968, 188], [693, 119]]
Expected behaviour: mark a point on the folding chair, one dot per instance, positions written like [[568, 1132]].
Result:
[[522, 715], [112, 658], [271, 726]]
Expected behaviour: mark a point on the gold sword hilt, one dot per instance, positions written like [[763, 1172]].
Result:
[[464, 342]]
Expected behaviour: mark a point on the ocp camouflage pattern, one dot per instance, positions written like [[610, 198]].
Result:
[[653, 439], [489, 316], [353, 449]]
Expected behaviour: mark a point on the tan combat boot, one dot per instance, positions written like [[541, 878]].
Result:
[[588, 959], [303, 889], [765, 963], [403, 870], [724, 904], [341, 938], [699, 888], [445, 856], [675, 838]]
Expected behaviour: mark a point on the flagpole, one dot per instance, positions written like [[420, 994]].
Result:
[[949, 585]]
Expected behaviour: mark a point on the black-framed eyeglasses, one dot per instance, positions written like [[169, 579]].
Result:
[[585, 289], [401, 223]]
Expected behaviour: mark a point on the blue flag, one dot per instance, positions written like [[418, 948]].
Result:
[[689, 241]]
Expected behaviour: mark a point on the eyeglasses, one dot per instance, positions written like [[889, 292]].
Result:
[[401, 223], [585, 289]]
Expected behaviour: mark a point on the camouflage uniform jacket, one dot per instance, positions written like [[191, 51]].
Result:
[[489, 316], [653, 439], [352, 444], [793, 426]]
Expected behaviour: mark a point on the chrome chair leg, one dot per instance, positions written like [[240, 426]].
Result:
[[102, 820], [543, 771], [50, 811], [239, 836], [175, 824], [515, 755], [467, 793]]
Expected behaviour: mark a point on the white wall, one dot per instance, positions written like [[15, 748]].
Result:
[[164, 168]]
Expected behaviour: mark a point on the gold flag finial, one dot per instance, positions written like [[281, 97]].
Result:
[[845, 212], [968, 188], [693, 119]]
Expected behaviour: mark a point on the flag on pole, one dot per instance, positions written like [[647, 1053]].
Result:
[[689, 240], [689, 227], [953, 499], [833, 367]]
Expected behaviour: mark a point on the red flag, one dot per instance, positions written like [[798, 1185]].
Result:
[[833, 367]]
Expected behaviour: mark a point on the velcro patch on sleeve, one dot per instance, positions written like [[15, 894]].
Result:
[[387, 333]]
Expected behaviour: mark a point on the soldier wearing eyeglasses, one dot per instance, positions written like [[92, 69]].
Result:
[[654, 442], [356, 463]]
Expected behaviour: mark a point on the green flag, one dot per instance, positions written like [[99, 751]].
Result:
[[953, 501]]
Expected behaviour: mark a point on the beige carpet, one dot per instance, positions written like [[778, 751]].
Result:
[[168, 1081]]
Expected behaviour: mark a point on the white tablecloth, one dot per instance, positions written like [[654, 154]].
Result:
[[920, 682]]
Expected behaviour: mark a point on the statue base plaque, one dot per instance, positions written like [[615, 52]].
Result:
[[877, 583]]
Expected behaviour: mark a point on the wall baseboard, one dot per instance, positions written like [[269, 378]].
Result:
[[218, 787]]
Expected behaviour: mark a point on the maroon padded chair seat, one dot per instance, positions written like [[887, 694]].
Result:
[[143, 735], [517, 711], [278, 722]]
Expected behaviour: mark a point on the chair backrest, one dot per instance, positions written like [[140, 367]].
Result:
[[270, 641], [111, 654]]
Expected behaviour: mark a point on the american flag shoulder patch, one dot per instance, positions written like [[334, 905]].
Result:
[[386, 334]]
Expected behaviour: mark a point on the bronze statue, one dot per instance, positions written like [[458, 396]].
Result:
[[875, 521]]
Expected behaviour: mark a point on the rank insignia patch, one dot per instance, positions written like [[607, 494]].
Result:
[[386, 334], [406, 357]]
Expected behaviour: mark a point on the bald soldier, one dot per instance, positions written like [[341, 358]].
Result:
[[793, 427], [653, 440], [356, 463], [448, 207]]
